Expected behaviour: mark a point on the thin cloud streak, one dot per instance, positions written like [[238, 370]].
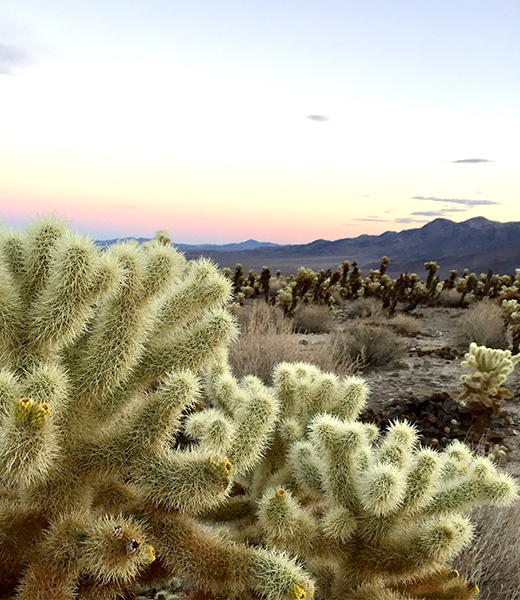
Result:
[[438, 213], [318, 118], [410, 220], [374, 219], [472, 160], [463, 201]]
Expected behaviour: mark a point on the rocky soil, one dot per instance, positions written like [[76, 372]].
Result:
[[425, 385]]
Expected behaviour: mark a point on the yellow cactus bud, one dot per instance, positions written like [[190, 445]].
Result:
[[298, 593], [280, 494], [23, 409], [220, 467], [40, 413], [148, 553], [453, 574]]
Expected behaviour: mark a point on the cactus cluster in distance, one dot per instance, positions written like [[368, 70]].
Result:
[[330, 287], [130, 454]]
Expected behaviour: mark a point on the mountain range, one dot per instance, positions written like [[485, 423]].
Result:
[[477, 244]]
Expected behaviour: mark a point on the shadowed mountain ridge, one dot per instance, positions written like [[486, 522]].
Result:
[[477, 244]]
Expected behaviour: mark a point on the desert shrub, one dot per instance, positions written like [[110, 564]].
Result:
[[266, 339], [450, 298], [368, 344], [405, 324], [362, 308], [482, 323], [329, 356], [312, 318], [276, 284], [488, 560]]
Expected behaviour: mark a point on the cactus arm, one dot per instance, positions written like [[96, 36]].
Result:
[[27, 443], [202, 289], [10, 391], [286, 525], [187, 549], [11, 310], [212, 429], [307, 468], [341, 444], [352, 398], [421, 480], [12, 253], [190, 348], [253, 423], [64, 304], [157, 421], [41, 240], [109, 549], [186, 481]]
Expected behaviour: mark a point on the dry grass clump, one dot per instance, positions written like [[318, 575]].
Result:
[[363, 308], [405, 324], [491, 560], [328, 354], [313, 318], [368, 344], [483, 324], [450, 299], [266, 338]]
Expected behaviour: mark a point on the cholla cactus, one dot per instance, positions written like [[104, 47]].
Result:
[[511, 309], [482, 390], [303, 392], [373, 516], [286, 299], [100, 357]]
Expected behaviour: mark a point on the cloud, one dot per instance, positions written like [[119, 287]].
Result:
[[463, 201], [376, 219], [362, 195], [125, 205], [11, 57], [411, 220], [438, 213], [472, 160], [318, 118]]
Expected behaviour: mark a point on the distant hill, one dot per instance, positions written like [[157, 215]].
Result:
[[237, 246], [198, 248], [477, 244]]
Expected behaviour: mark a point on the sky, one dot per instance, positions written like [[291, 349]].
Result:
[[279, 120]]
